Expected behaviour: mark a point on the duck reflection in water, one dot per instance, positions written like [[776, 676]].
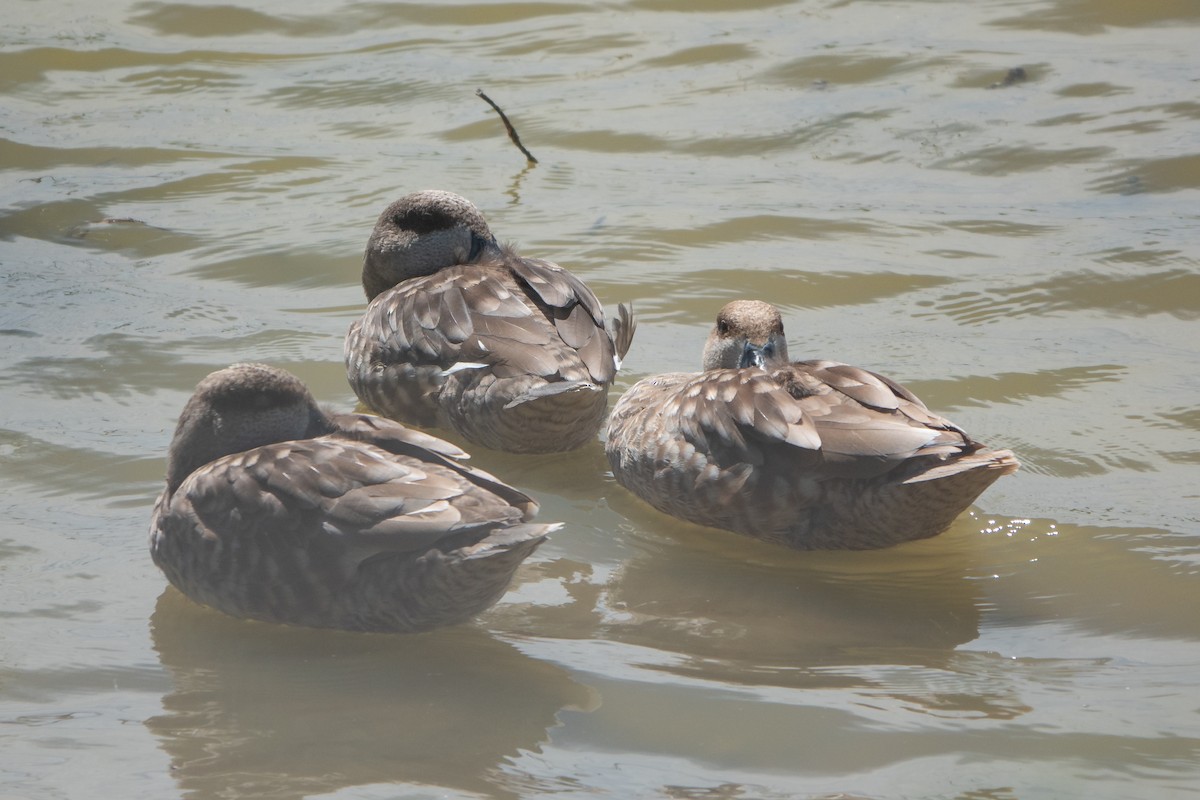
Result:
[[276, 510], [749, 612], [808, 454], [259, 710]]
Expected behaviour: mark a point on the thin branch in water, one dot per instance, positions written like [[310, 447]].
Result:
[[512, 132]]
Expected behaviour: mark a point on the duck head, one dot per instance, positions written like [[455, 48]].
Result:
[[421, 233], [237, 409], [748, 333]]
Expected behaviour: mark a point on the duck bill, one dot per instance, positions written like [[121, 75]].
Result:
[[479, 246], [753, 356]]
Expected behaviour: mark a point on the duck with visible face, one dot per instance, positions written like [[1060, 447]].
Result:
[[747, 334], [808, 454], [276, 510], [465, 334]]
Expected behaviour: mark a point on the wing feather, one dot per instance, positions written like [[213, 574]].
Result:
[[852, 417], [373, 500]]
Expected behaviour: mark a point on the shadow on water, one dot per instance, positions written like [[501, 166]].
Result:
[[276, 711], [720, 598]]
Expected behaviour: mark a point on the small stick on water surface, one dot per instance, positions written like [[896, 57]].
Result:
[[512, 132]]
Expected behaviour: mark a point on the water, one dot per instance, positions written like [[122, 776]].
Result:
[[186, 185]]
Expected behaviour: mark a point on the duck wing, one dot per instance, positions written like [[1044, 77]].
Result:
[[337, 497], [403, 441], [867, 419], [838, 420], [735, 410], [514, 318], [577, 315]]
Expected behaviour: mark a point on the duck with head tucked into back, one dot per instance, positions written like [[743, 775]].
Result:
[[465, 334], [276, 510], [808, 454]]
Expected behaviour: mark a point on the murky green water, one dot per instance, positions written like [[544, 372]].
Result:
[[186, 185]]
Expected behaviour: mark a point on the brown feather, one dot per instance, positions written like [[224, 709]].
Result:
[[812, 454], [461, 339], [285, 530]]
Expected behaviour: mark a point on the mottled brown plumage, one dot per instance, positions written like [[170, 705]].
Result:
[[811, 454], [465, 334], [275, 510]]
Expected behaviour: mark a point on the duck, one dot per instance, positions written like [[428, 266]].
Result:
[[464, 334], [811, 455], [277, 510]]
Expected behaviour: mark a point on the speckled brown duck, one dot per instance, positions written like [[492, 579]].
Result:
[[465, 334], [811, 454], [276, 510]]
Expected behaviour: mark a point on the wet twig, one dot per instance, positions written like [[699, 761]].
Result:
[[512, 132]]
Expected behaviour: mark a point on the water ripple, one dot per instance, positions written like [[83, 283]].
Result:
[[1172, 174], [1081, 17], [177, 19], [1171, 291], [1009, 159]]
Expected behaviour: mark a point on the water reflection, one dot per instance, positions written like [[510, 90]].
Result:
[[1093, 16], [275, 711], [1024, 258], [733, 605]]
